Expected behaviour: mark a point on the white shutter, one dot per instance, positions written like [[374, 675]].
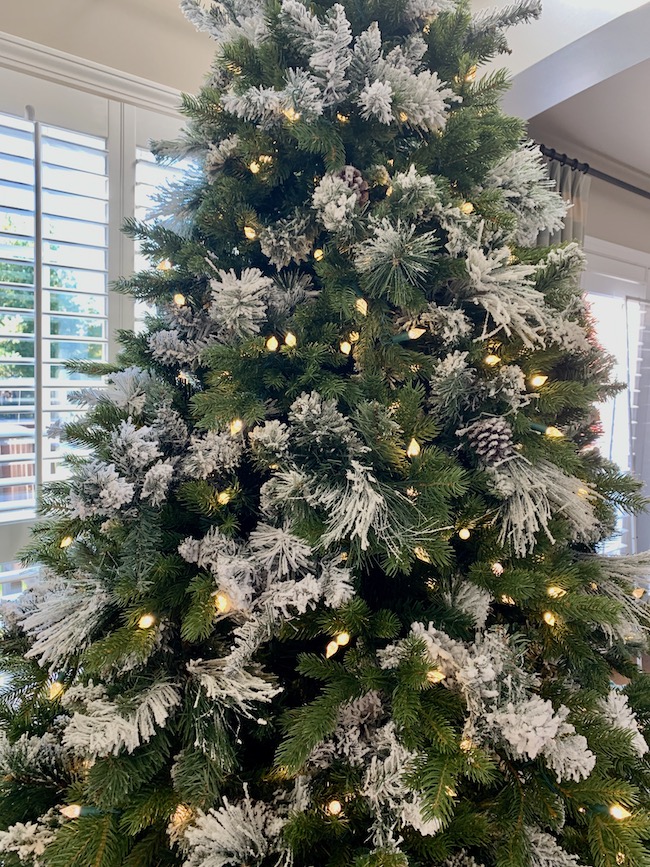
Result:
[[53, 293]]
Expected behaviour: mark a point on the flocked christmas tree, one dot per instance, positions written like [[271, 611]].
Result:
[[323, 588]]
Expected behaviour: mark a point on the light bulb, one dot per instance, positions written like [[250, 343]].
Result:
[[467, 208], [66, 542], [549, 618], [618, 811], [319, 253], [497, 569], [583, 492], [165, 265], [620, 857], [361, 306], [342, 118], [56, 690], [343, 638], [538, 380], [413, 449], [389, 190], [146, 621], [553, 433], [412, 493], [290, 339], [224, 498], [71, 811], [422, 554], [450, 792], [555, 592], [466, 745], [291, 114], [335, 808], [236, 426], [181, 816], [434, 675], [179, 299], [254, 167], [507, 600], [471, 74], [491, 360], [267, 159], [346, 347], [415, 332], [464, 533], [403, 116], [638, 592], [331, 649], [250, 233], [222, 603], [354, 337], [272, 343]]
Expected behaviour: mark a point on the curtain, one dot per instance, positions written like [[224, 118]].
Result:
[[573, 186]]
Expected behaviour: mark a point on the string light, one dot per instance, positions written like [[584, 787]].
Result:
[[554, 433], [224, 498], [222, 603], [179, 299], [538, 380], [464, 533], [56, 690], [181, 816], [618, 811], [555, 592], [415, 332], [583, 492], [467, 208], [450, 792], [466, 745], [346, 347], [335, 808], [507, 600], [497, 569], [638, 592], [71, 811], [361, 306], [434, 675], [620, 857], [471, 74], [422, 554], [389, 190], [319, 254], [403, 116], [254, 167], [354, 337], [331, 649], [291, 114], [250, 233], [236, 426], [491, 360], [290, 339], [413, 449], [66, 542], [272, 343], [343, 639], [413, 493], [342, 118], [549, 618], [165, 265], [146, 621]]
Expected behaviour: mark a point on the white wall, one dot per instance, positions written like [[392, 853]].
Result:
[[148, 38]]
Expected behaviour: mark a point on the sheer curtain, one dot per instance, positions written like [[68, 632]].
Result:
[[573, 186]]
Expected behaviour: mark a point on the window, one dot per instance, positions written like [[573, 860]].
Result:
[[53, 293], [617, 283]]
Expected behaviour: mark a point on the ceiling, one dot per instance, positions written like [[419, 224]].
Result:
[[609, 119]]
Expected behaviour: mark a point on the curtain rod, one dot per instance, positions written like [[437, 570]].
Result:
[[564, 160]]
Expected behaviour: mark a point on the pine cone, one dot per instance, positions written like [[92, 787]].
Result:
[[491, 439], [355, 180]]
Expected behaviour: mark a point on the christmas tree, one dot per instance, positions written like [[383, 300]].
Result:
[[323, 587]]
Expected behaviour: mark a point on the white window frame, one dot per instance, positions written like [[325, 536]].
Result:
[[137, 110], [633, 266]]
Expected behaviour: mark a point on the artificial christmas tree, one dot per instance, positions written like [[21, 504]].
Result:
[[323, 590]]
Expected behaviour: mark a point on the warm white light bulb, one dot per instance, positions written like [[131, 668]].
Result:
[[319, 254], [165, 265], [618, 811], [250, 233], [335, 808], [179, 299], [467, 208], [422, 554], [66, 542], [361, 306], [415, 332], [464, 533], [272, 343], [491, 360], [343, 638], [346, 347], [434, 675], [497, 569], [549, 618], [331, 649], [146, 621], [291, 114], [553, 433], [414, 448], [236, 426], [222, 603], [290, 339], [638, 592], [56, 690], [538, 380], [224, 497], [555, 592], [71, 811]]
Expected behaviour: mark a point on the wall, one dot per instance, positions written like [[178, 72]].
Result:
[[614, 215], [147, 38]]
